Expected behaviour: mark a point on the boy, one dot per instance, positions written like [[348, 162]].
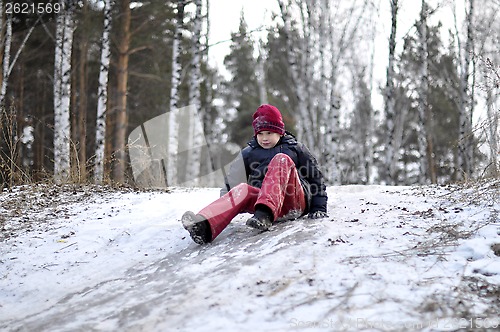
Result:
[[281, 180]]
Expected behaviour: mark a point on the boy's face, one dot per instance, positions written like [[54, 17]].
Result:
[[268, 139]]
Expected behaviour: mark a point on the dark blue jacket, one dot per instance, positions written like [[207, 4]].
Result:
[[256, 159]]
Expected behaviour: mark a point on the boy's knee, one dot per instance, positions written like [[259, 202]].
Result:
[[243, 189], [241, 186]]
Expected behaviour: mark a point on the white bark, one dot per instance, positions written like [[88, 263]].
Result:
[[389, 101], [195, 126], [103, 95], [324, 96], [494, 118], [423, 89], [173, 121], [307, 68], [370, 134], [332, 121], [465, 117], [332, 111], [6, 58], [62, 87], [8, 65]]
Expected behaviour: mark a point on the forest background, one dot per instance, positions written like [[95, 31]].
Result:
[[79, 80]]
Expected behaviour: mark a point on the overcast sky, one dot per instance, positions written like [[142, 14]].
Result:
[[225, 19]]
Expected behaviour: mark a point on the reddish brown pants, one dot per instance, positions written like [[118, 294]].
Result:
[[281, 191]]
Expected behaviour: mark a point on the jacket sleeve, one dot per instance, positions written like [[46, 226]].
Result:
[[310, 173], [237, 173]]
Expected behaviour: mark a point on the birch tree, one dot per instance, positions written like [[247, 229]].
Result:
[[7, 41], [62, 87], [103, 94], [208, 128], [330, 116], [173, 123], [208, 85], [331, 113], [8, 122], [370, 134], [465, 157], [389, 100], [2, 98], [196, 129], [493, 133]]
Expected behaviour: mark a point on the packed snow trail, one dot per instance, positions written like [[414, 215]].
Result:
[[386, 259]]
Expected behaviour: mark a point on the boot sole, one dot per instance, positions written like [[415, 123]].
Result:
[[257, 224], [190, 223]]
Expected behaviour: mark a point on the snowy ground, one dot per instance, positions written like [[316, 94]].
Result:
[[387, 259]]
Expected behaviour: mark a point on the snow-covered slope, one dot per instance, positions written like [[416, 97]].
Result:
[[387, 258]]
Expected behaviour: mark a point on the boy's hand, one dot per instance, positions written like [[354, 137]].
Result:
[[317, 215]]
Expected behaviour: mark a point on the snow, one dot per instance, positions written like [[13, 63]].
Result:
[[386, 259]]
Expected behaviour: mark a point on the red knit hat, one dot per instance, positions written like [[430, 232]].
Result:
[[268, 117]]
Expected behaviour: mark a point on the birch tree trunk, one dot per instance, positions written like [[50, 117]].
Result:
[[332, 117], [62, 86], [122, 86], [307, 64], [173, 121], [196, 134], [208, 128], [370, 137], [102, 93], [389, 100], [208, 89], [492, 85], [7, 41], [2, 97], [328, 156], [465, 107], [423, 88], [493, 134], [323, 100]]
